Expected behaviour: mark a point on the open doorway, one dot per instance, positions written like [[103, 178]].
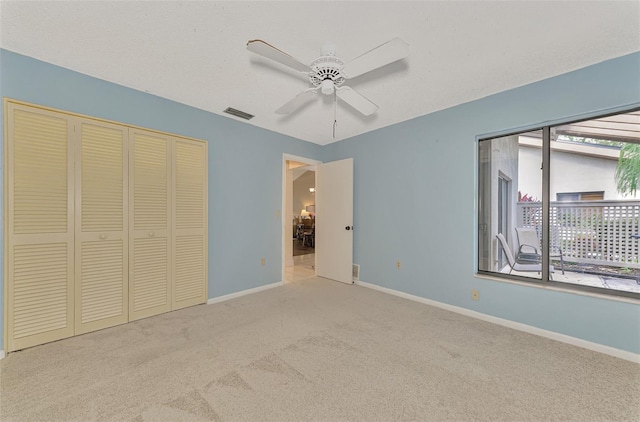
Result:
[[298, 218], [304, 212]]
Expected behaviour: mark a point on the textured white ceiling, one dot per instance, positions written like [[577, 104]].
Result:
[[195, 52]]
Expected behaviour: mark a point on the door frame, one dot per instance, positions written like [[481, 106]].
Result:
[[283, 213]]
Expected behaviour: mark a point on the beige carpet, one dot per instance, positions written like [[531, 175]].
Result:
[[315, 350]]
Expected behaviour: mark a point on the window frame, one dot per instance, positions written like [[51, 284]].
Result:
[[545, 280]]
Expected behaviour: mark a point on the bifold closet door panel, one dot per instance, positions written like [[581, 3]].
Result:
[[40, 280], [101, 270], [149, 224], [190, 223]]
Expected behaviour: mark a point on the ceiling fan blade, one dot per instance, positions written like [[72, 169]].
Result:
[[297, 101], [270, 52], [388, 52], [356, 100]]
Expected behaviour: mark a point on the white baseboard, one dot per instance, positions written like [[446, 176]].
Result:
[[243, 293], [596, 347], [1, 354]]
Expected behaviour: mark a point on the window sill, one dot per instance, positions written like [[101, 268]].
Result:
[[558, 288]]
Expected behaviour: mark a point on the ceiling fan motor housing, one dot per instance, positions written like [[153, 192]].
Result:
[[326, 68]]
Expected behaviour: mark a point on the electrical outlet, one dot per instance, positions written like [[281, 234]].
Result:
[[398, 264], [475, 295], [262, 261]]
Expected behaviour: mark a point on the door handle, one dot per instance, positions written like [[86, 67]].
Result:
[[151, 234], [103, 236]]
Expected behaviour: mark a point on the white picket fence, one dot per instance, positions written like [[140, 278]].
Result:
[[590, 231]]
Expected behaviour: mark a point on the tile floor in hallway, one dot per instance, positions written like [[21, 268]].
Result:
[[303, 267]]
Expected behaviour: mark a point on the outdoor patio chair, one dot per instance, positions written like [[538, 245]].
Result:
[[529, 247], [517, 266]]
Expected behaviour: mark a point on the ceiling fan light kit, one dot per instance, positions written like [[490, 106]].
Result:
[[328, 73], [326, 70]]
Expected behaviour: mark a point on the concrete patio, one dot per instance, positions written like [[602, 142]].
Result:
[[586, 279]]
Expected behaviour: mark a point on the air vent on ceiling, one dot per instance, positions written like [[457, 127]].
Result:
[[238, 113]]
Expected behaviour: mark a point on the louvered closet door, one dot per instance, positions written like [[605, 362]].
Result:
[[190, 223], [101, 226], [40, 227], [149, 223]]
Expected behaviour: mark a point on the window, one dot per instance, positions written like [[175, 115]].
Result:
[[576, 224], [579, 196]]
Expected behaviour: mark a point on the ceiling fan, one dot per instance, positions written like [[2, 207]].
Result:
[[328, 73]]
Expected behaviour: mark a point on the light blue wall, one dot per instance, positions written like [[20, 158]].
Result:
[[414, 190], [245, 164], [415, 186]]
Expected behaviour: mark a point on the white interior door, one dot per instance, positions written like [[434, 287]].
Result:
[[334, 220]]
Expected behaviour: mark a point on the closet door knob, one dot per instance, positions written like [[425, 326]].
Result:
[[151, 234], [103, 236]]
